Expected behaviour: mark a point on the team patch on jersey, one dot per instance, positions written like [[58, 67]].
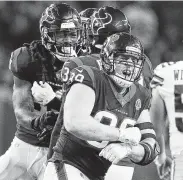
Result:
[[138, 104]]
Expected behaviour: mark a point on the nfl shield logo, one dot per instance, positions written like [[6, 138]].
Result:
[[138, 104]]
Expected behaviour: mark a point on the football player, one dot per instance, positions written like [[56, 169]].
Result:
[[60, 27], [105, 115], [104, 30], [100, 26], [166, 106]]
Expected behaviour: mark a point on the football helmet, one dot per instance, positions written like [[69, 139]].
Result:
[[122, 57], [107, 21], [60, 28]]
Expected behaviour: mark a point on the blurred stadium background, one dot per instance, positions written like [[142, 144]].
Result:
[[158, 24]]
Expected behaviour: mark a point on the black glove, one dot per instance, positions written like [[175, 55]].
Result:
[[46, 120], [45, 134]]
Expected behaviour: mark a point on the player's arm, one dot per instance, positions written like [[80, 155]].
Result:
[[158, 116], [78, 106], [143, 153], [146, 151], [23, 102]]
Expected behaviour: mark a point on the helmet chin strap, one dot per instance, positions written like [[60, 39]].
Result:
[[121, 82], [63, 57]]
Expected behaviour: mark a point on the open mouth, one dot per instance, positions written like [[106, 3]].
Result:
[[126, 72]]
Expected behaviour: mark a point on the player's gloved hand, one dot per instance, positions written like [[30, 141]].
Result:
[[47, 119], [131, 135], [45, 134], [163, 165], [115, 152], [42, 93]]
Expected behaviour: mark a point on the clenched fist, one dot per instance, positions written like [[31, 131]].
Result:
[[116, 152], [42, 93], [130, 135]]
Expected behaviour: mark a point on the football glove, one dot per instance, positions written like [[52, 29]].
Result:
[[131, 135], [115, 152], [45, 134], [42, 93], [47, 119], [164, 168]]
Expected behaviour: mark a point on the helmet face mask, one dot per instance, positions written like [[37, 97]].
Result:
[[63, 42], [123, 64], [60, 27]]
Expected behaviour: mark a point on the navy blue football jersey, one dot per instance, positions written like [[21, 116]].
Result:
[[92, 60], [25, 67], [111, 108]]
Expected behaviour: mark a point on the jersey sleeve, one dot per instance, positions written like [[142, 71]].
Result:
[[84, 75], [19, 63]]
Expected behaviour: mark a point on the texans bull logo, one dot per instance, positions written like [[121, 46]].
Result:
[[100, 20]]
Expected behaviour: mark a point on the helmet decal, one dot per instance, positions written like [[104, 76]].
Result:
[[107, 21], [121, 23], [100, 21], [48, 16]]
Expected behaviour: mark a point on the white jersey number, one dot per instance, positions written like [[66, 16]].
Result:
[[110, 119]]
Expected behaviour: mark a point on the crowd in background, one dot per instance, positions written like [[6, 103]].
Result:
[[158, 24]]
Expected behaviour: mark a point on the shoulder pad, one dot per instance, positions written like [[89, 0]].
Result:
[[163, 65], [19, 62], [77, 62], [158, 77], [84, 75]]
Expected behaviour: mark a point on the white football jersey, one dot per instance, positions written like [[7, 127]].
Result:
[[168, 80]]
